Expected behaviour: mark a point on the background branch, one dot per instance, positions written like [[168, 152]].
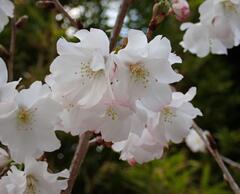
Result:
[[211, 146], [119, 22], [60, 8], [231, 162], [12, 49]]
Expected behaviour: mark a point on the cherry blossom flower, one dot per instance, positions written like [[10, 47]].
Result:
[[217, 31], [139, 149], [109, 118], [143, 71], [200, 40], [34, 179], [4, 158], [27, 127], [194, 141], [175, 119], [7, 90], [181, 9], [6, 10], [78, 74]]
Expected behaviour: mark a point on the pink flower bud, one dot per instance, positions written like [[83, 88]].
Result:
[[132, 162], [181, 9]]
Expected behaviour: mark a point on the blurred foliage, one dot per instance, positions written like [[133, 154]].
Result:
[[180, 171]]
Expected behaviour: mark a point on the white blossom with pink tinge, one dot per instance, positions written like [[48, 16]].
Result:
[[6, 10], [143, 71], [34, 179], [217, 30]]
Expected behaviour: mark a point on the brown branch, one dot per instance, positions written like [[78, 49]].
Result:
[[77, 161], [60, 8], [211, 146], [97, 141], [119, 22], [12, 49], [3, 50], [231, 162]]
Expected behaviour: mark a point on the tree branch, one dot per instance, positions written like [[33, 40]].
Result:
[[77, 161], [211, 146], [119, 22], [4, 51], [231, 162], [60, 8], [12, 49]]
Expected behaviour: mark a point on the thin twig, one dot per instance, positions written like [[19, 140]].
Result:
[[60, 8], [97, 141], [77, 161], [210, 144], [3, 50], [119, 22], [12, 49], [231, 162]]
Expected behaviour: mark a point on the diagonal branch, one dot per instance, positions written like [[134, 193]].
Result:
[[119, 22], [56, 4], [211, 146], [60, 8], [231, 162], [77, 161]]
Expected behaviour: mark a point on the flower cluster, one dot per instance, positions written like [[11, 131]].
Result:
[[34, 179], [6, 10], [217, 30], [27, 122], [123, 95]]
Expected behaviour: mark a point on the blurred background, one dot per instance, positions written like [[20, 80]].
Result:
[[180, 171]]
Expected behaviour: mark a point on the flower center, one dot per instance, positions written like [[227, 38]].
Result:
[[168, 114], [228, 5], [111, 113], [139, 73], [31, 185], [24, 116], [87, 72]]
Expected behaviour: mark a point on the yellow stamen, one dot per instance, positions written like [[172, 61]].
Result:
[[168, 114], [139, 73], [86, 71], [111, 113], [24, 116], [31, 185]]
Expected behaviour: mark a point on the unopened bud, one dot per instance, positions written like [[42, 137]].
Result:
[[161, 8], [181, 9]]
